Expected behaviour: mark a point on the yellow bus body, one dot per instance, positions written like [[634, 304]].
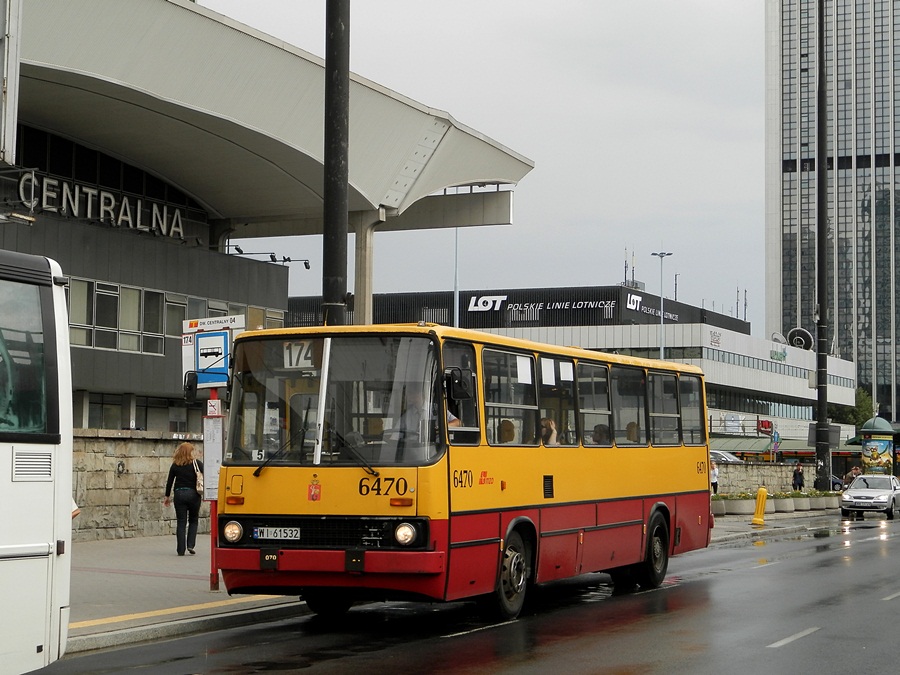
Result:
[[580, 509]]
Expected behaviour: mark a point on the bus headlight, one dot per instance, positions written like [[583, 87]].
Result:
[[405, 534], [232, 531]]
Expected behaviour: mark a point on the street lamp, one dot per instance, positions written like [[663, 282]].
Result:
[[662, 340]]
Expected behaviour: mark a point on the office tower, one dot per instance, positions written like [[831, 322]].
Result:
[[862, 45]]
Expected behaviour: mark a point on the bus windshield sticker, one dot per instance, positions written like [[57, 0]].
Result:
[[548, 376], [523, 365]]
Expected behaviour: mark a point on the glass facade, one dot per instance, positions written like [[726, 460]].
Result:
[[862, 47]]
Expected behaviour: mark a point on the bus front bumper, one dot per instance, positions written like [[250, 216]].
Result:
[[355, 561]]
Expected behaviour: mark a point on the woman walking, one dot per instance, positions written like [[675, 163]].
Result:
[[183, 478], [797, 479]]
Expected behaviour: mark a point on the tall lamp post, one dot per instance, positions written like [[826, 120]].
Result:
[[662, 339]]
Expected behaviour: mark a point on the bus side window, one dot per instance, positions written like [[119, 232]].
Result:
[[462, 356], [664, 420], [510, 396], [593, 404], [557, 400], [629, 405], [693, 416]]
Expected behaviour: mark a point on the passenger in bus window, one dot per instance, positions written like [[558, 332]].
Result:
[[506, 432], [600, 435], [631, 432], [548, 432]]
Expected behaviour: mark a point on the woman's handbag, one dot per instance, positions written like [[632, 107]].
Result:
[[199, 478]]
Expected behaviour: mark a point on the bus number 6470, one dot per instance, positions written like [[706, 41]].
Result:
[[383, 486], [463, 479]]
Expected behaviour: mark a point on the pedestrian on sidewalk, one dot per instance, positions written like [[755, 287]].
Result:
[[849, 476], [714, 477], [183, 478], [797, 481]]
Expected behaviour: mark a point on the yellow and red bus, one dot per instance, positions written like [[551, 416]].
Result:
[[436, 463]]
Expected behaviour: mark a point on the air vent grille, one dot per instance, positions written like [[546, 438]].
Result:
[[32, 466], [548, 487]]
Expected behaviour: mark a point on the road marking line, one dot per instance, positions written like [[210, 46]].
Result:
[[891, 597], [476, 630], [164, 612], [796, 636], [761, 564]]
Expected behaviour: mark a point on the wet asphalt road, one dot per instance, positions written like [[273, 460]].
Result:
[[826, 600]]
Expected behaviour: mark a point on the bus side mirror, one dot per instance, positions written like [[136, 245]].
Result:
[[459, 383], [190, 386]]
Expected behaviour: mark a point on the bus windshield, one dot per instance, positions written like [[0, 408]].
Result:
[[346, 400]]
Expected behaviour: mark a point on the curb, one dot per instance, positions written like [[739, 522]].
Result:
[[798, 523], [182, 627], [760, 532]]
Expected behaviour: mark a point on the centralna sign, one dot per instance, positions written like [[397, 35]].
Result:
[[74, 200]]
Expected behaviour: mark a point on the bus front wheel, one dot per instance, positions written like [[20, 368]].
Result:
[[509, 598], [651, 572]]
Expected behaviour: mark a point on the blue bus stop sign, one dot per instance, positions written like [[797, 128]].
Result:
[[211, 357]]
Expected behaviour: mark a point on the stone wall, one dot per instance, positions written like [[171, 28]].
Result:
[[120, 479], [119, 482], [750, 476]]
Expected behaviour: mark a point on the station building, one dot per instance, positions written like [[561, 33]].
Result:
[[754, 387], [139, 138]]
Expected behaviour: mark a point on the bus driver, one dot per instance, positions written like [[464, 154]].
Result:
[[415, 413]]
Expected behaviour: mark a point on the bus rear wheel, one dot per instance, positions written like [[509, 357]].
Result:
[[327, 603], [651, 572], [509, 597]]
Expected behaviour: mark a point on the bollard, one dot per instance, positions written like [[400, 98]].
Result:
[[758, 517]]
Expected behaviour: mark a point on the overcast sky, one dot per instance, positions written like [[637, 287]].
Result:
[[644, 118]]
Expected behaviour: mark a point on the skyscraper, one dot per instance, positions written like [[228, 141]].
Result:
[[862, 75]]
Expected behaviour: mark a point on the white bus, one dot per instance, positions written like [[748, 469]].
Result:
[[35, 462]]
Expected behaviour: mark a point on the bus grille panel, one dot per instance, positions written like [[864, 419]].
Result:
[[329, 533]]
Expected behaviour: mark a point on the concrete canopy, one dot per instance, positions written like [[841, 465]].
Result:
[[233, 118]]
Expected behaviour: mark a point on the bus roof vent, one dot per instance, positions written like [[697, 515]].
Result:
[[32, 466]]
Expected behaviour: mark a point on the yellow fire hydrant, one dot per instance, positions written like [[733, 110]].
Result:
[[759, 516]]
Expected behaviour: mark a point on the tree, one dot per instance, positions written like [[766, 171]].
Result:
[[856, 415]]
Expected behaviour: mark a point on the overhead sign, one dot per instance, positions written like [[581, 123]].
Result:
[[234, 322], [834, 435]]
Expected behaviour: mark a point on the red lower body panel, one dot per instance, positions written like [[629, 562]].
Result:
[[412, 572], [464, 555]]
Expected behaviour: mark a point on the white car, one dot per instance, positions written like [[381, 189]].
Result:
[[871, 493], [722, 457]]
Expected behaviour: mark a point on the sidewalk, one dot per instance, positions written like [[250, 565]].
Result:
[[131, 590], [126, 591]]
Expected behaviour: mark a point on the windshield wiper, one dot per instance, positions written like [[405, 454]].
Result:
[[278, 453], [362, 460]]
